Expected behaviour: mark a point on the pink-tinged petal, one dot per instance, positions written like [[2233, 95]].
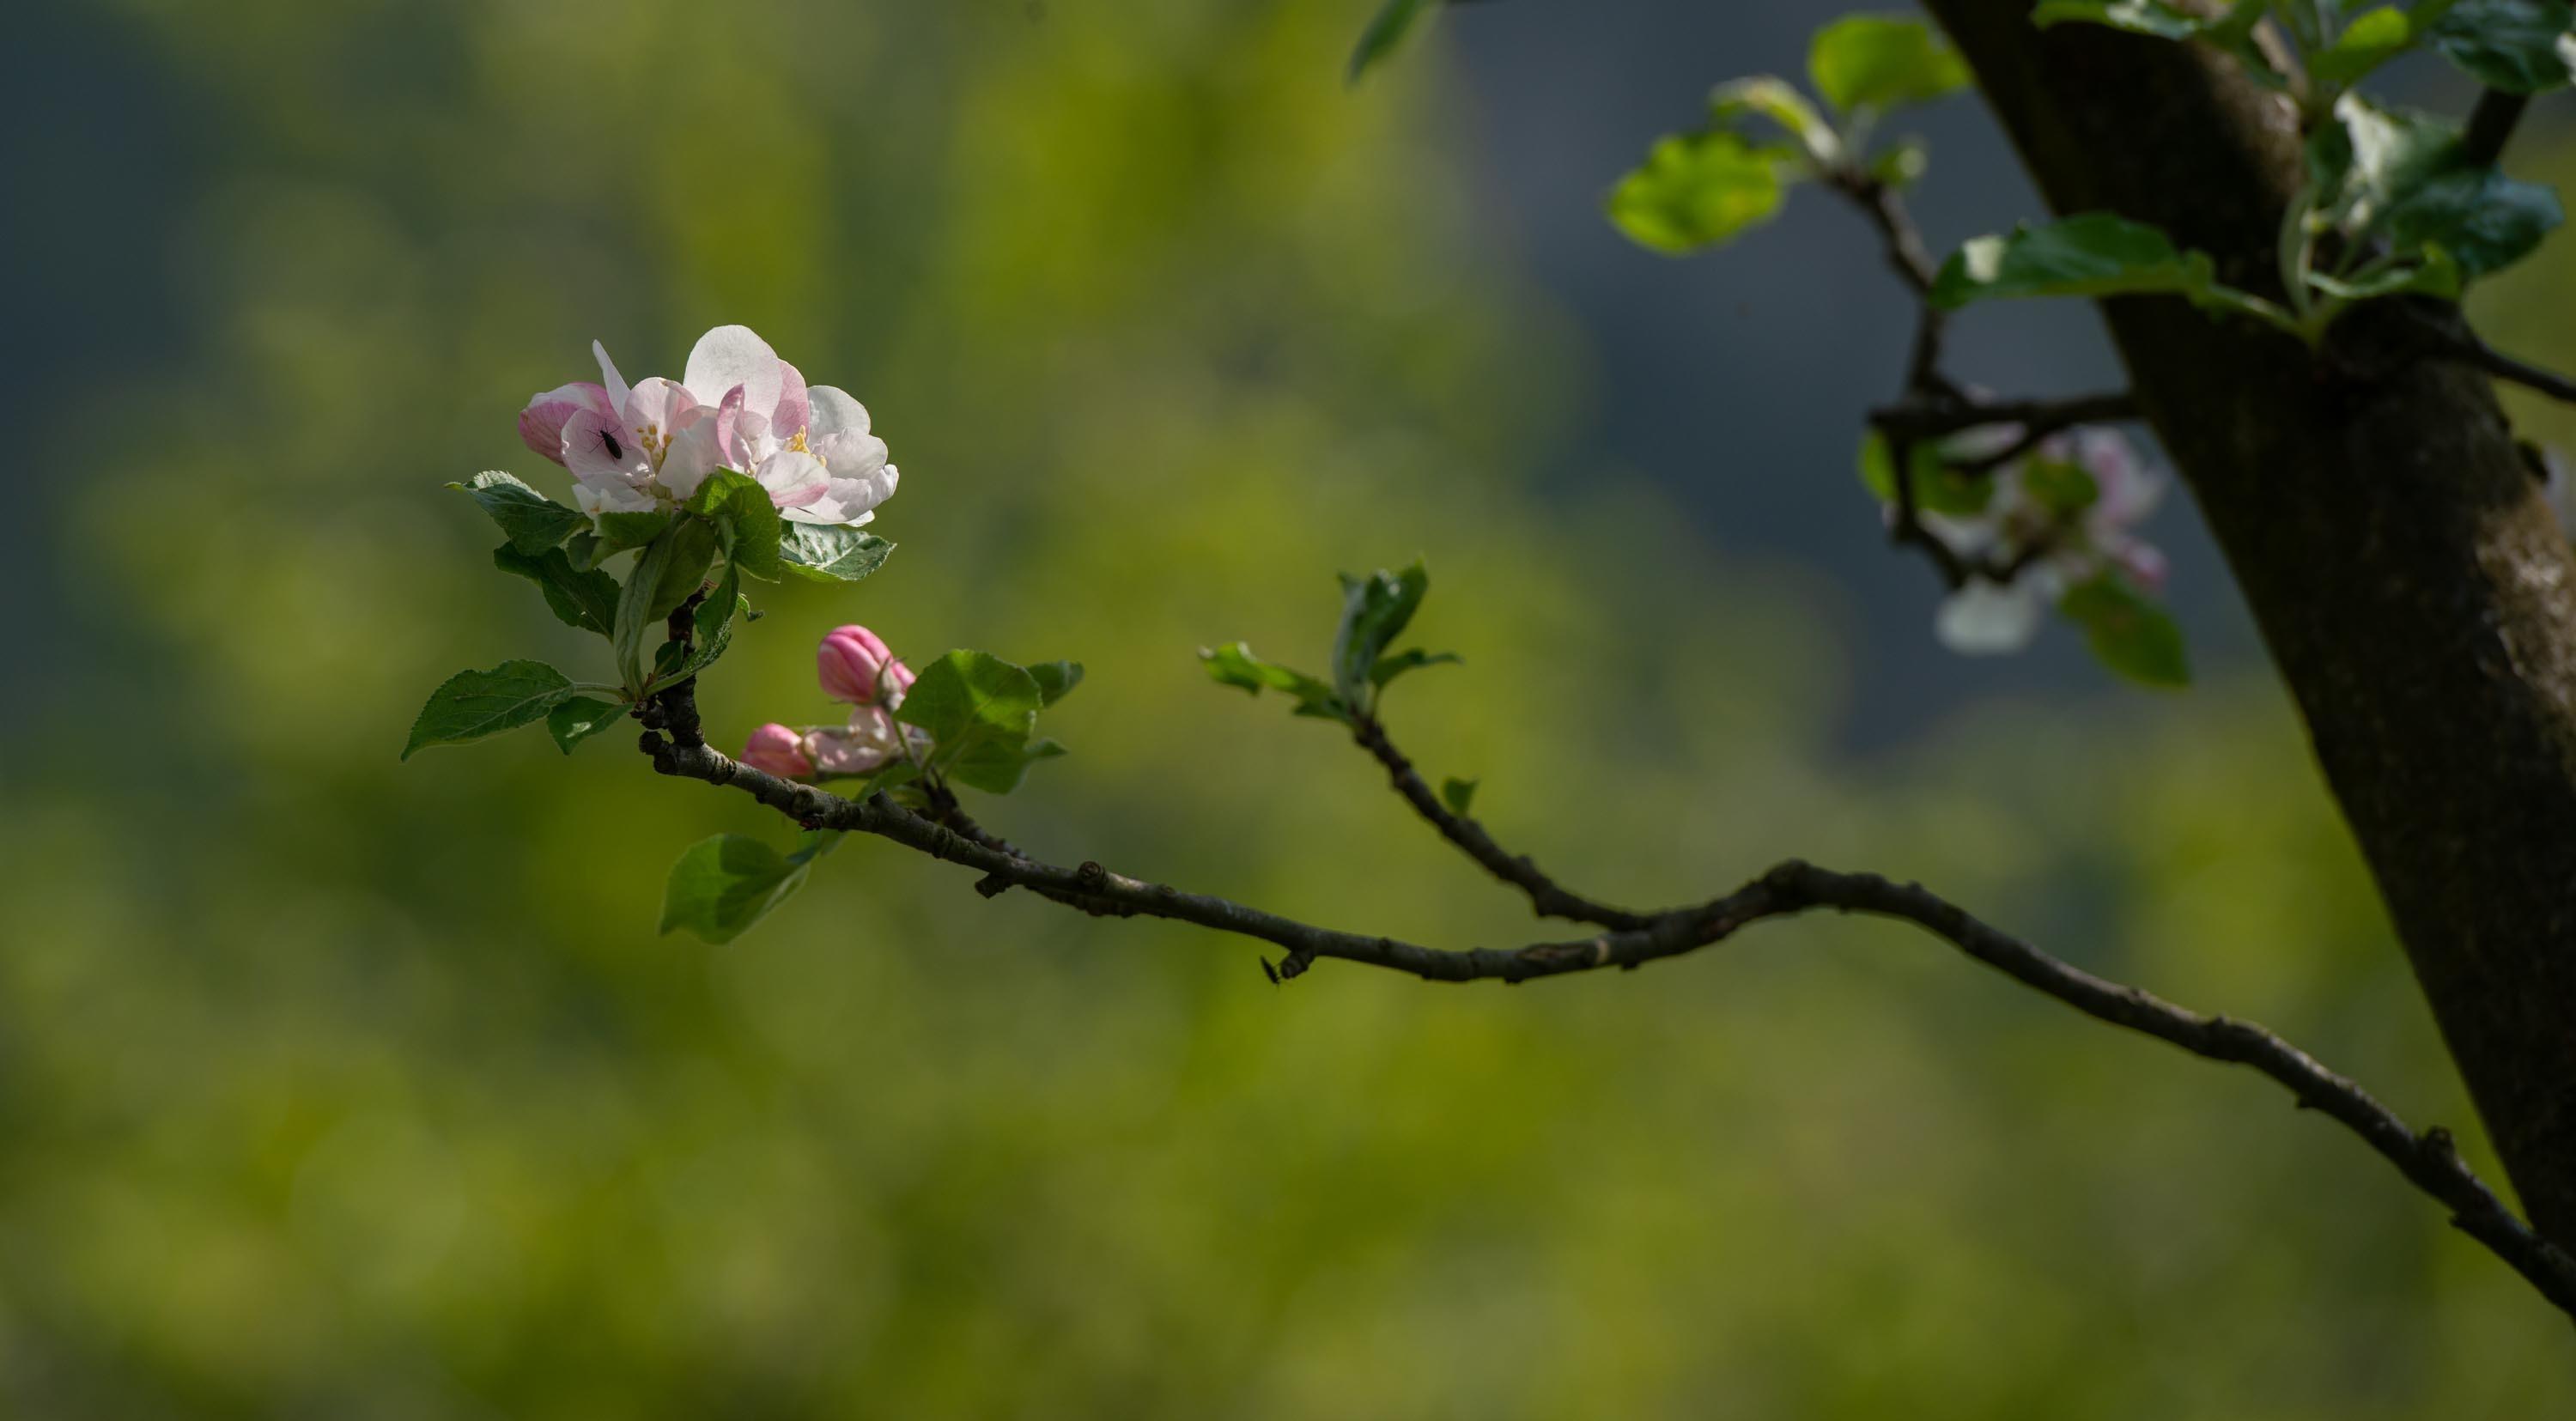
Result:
[[847, 501], [608, 376], [853, 664], [794, 478], [795, 405], [731, 355], [779, 750], [869, 745], [602, 455], [1982, 619], [849, 456], [693, 452], [541, 423], [832, 411], [655, 405]]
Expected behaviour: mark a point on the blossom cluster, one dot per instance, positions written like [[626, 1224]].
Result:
[[855, 667], [648, 446], [2064, 514]]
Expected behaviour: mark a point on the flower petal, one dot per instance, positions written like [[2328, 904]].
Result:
[[1982, 619], [655, 405], [834, 412], [608, 376], [794, 404], [602, 455], [731, 355], [541, 423], [794, 478]]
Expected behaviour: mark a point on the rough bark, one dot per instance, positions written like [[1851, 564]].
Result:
[[2411, 585]]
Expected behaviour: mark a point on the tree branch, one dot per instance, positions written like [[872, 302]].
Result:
[[1547, 898], [2428, 1161], [2491, 125]]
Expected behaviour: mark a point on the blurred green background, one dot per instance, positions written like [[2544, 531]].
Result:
[[332, 1086]]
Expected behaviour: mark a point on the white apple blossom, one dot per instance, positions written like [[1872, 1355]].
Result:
[[737, 406], [1984, 618]]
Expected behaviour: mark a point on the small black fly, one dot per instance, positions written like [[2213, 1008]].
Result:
[[615, 450]]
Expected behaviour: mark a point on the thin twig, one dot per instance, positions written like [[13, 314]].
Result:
[[2429, 1161], [1547, 898], [2468, 349]]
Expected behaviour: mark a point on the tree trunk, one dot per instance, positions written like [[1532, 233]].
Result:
[[2409, 580]]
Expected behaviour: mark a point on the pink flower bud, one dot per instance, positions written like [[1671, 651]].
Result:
[[779, 750], [541, 423], [855, 666]]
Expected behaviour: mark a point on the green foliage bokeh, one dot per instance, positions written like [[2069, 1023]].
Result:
[[333, 1086]]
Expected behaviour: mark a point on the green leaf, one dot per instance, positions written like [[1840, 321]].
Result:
[[1776, 99], [1234, 665], [1410, 659], [1387, 29], [2231, 31], [2370, 40], [1375, 611], [721, 886], [584, 598], [830, 553], [531, 521], [1458, 794], [1697, 190], [2483, 219], [2519, 46], [672, 567], [577, 720], [711, 626], [2138, 17], [1939, 486], [621, 531], [1882, 61], [2400, 175], [980, 711], [747, 523], [2128, 633], [1056, 679], [472, 704], [2092, 254]]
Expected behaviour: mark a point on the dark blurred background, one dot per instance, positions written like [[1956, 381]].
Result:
[[338, 1087]]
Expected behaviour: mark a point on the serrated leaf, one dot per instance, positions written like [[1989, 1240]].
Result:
[[980, 711], [621, 531], [1386, 29], [721, 886], [2091, 254], [578, 719], [2518, 46], [1056, 679], [830, 553], [1234, 664], [1458, 794], [2128, 633], [1883, 61], [1375, 611], [531, 521], [1697, 190], [583, 598], [473, 704], [747, 523], [2483, 219]]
